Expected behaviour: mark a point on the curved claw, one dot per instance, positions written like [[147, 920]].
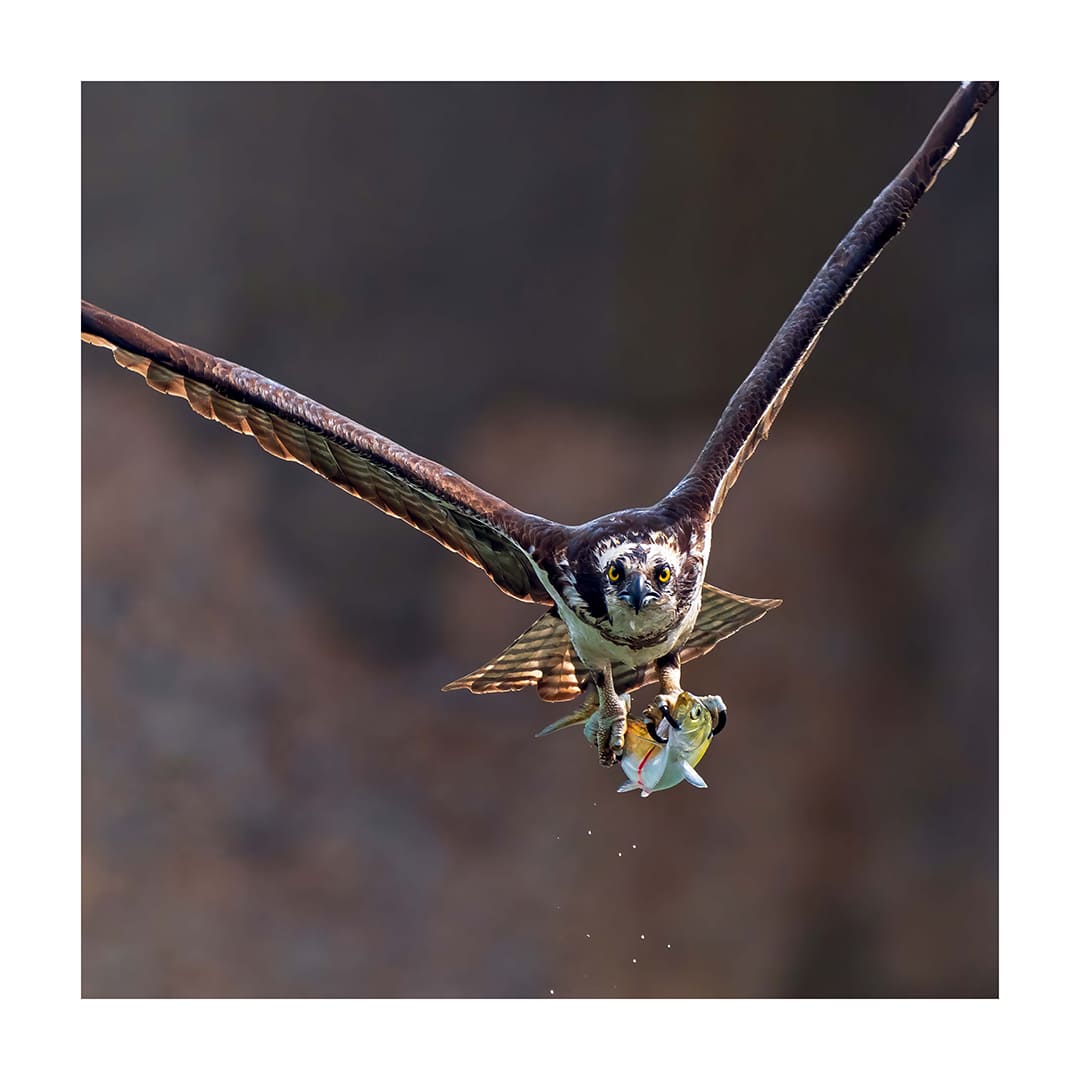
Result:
[[665, 712], [608, 732], [650, 727], [715, 704], [611, 747], [721, 722]]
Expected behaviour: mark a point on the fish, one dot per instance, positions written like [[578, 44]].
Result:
[[662, 749]]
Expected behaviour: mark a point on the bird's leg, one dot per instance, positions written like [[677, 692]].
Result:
[[669, 670], [669, 673], [607, 726]]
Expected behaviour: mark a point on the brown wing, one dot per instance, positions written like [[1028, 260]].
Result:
[[722, 614], [485, 530], [544, 657], [752, 409]]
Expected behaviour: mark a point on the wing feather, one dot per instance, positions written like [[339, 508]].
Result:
[[722, 614], [544, 657], [755, 405], [481, 528]]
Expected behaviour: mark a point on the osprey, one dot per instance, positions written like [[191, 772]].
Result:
[[627, 598]]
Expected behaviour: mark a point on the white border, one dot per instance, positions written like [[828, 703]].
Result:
[[60, 1035]]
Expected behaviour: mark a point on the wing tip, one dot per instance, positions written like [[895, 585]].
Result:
[[479, 686], [465, 683]]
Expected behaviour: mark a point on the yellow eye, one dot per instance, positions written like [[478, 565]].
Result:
[[614, 573], [663, 575]]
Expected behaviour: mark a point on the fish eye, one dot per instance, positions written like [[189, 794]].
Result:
[[614, 573], [663, 574]]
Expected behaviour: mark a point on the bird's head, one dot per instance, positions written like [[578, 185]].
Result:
[[640, 577]]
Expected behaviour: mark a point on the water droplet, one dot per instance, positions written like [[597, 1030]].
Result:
[[551, 991], [590, 832], [635, 959], [634, 846], [590, 935], [642, 937], [620, 854], [669, 946]]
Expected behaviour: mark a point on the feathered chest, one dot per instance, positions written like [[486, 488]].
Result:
[[631, 641], [629, 598]]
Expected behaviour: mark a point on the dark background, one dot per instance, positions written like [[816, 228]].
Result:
[[554, 289]]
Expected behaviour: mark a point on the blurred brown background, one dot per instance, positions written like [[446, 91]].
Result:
[[553, 289]]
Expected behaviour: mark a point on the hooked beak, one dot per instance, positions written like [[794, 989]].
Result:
[[635, 591]]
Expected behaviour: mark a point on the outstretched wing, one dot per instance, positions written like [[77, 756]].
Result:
[[752, 409], [485, 530]]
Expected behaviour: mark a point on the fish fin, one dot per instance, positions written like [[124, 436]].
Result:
[[628, 786], [691, 775]]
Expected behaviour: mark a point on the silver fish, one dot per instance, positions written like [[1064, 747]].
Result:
[[662, 749]]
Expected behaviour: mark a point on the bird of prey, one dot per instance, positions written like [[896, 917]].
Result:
[[626, 593]]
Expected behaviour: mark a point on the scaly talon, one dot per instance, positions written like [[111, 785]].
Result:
[[663, 708], [617, 736], [610, 739], [606, 730]]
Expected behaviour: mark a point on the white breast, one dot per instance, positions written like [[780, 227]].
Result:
[[596, 651]]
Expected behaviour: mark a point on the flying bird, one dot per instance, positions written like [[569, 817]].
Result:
[[626, 593]]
